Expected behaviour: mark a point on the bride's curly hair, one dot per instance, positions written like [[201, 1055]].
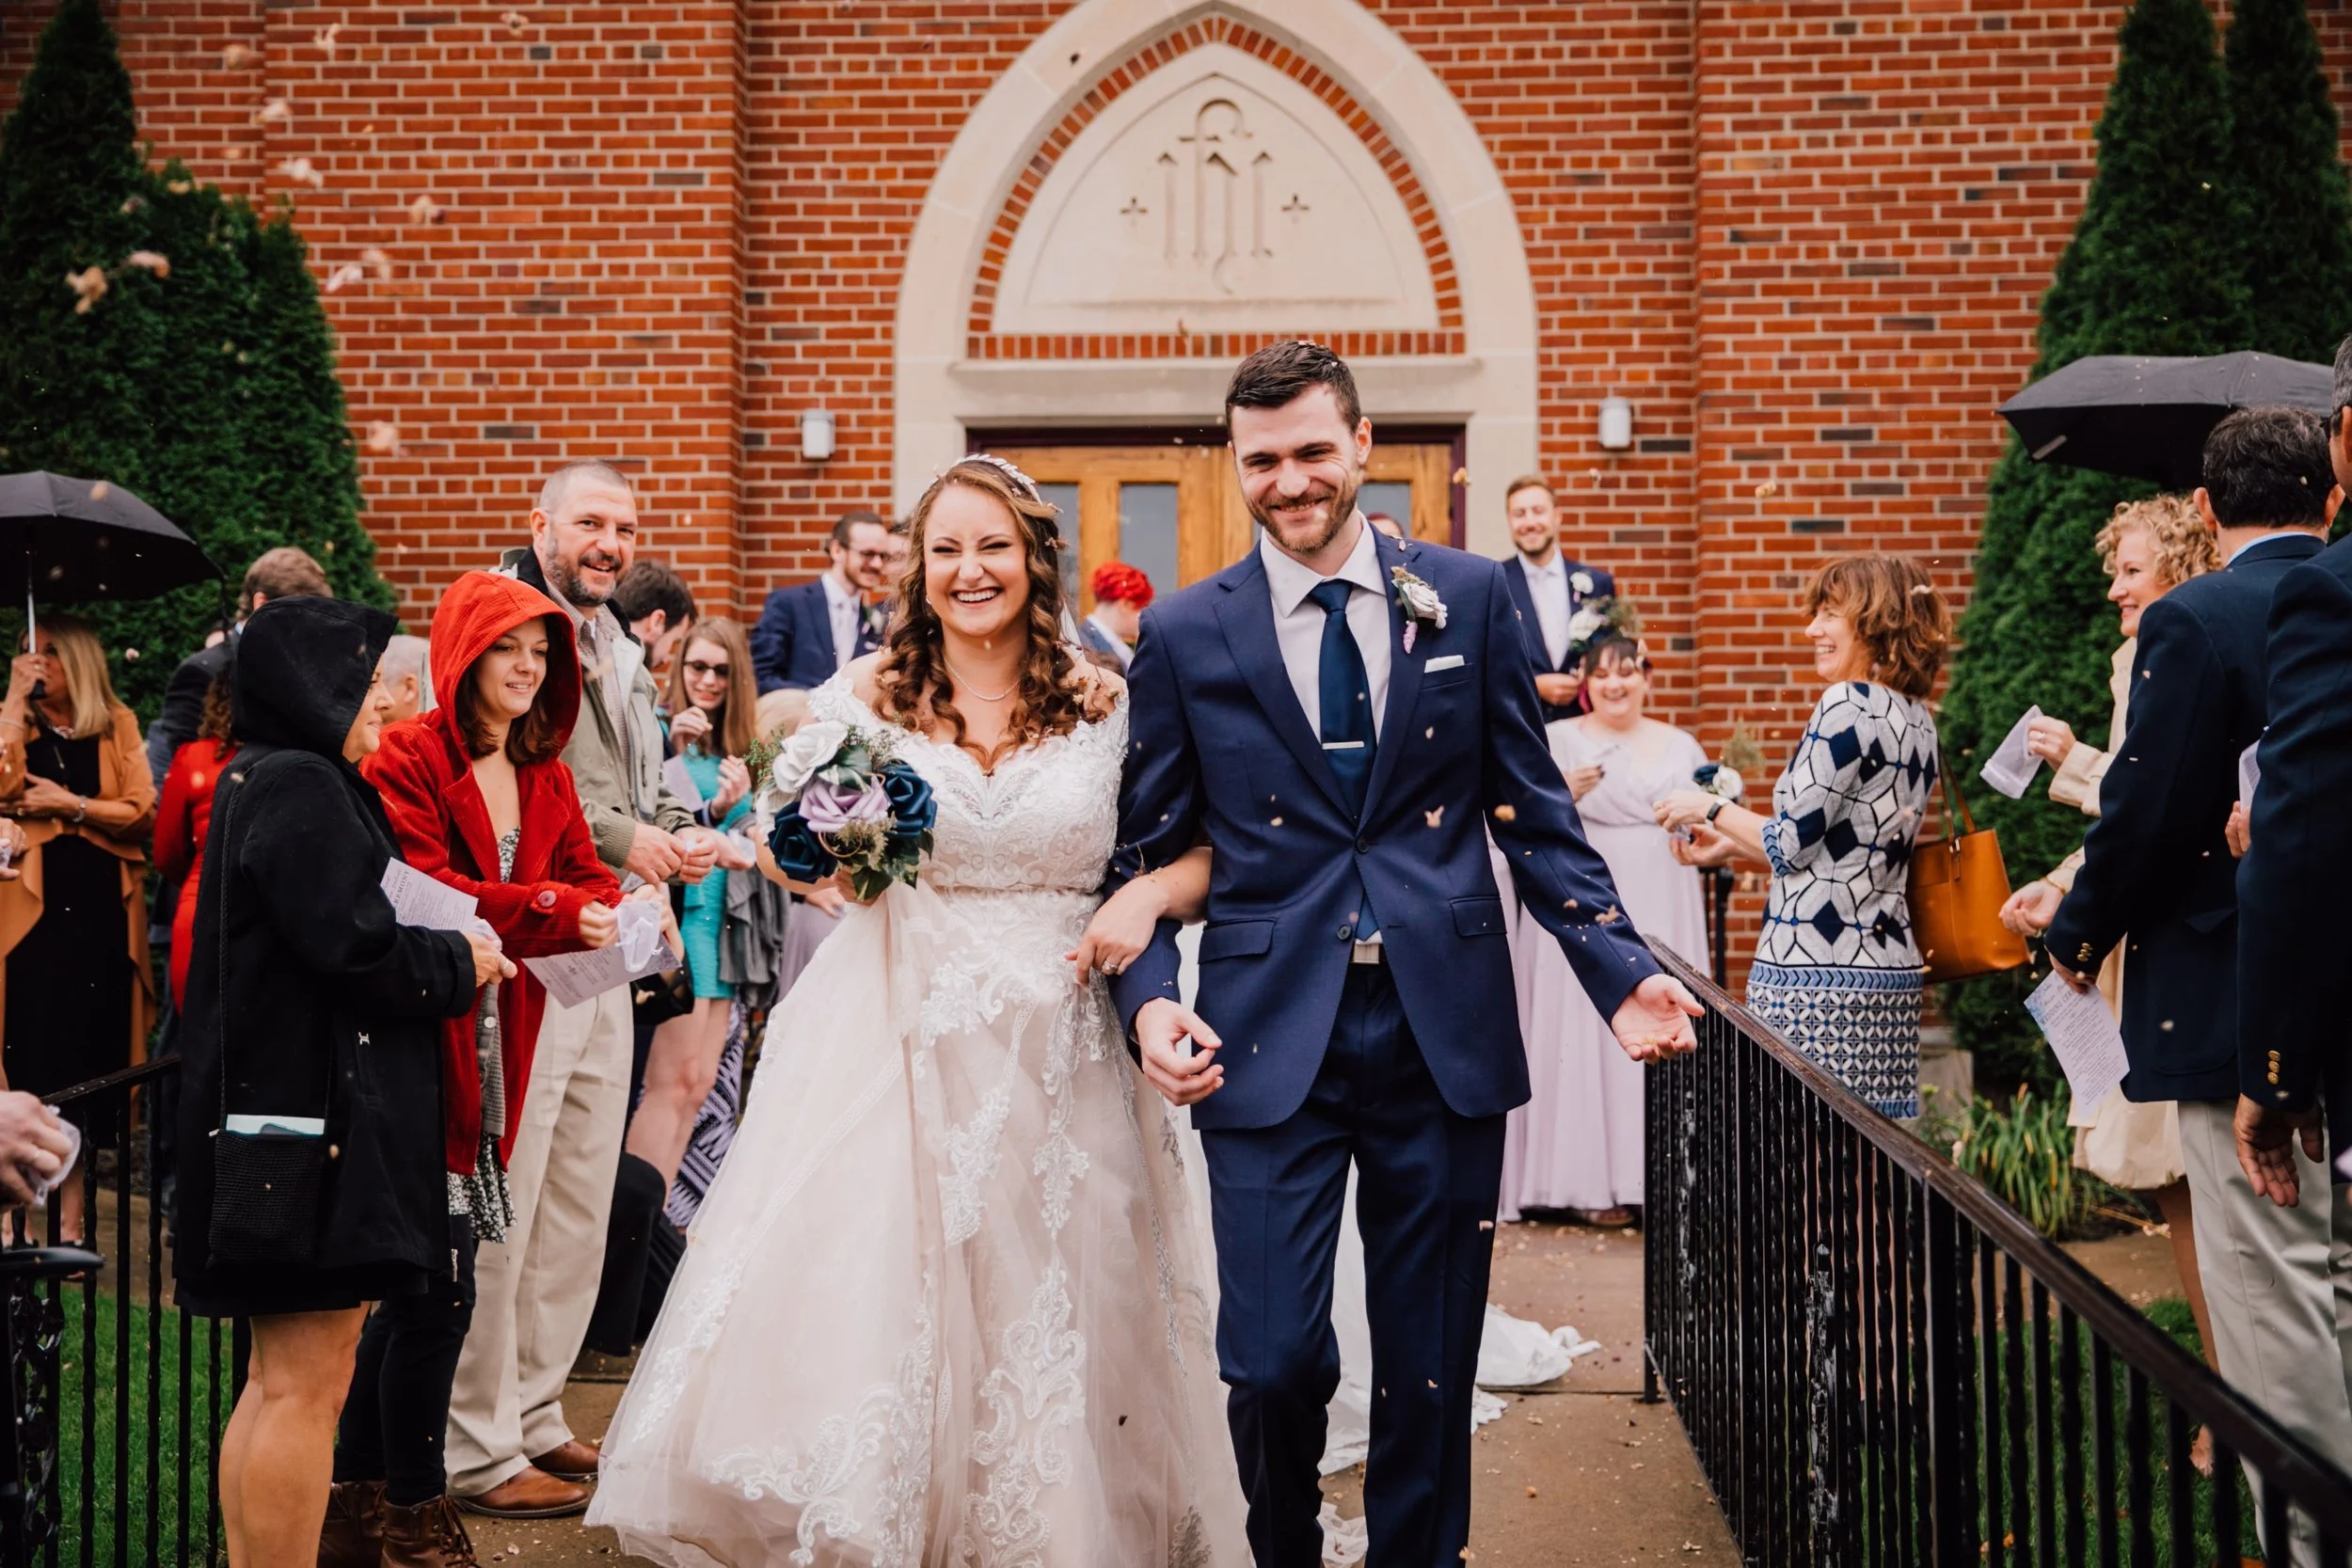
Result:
[[915, 687]]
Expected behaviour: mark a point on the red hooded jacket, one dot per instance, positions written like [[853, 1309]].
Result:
[[426, 776]]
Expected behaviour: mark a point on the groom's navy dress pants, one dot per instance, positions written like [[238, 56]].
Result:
[[1427, 1183]]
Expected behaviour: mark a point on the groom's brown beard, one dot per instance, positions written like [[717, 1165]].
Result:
[[1343, 508]]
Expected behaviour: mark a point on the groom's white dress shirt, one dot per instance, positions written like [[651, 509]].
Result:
[[1548, 587], [1298, 621]]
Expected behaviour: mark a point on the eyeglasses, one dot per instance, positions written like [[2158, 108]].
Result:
[[878, 557], [696, 667]]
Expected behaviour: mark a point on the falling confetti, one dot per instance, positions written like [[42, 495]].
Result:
[[299, 171], [327, 36], [236, 58], [276, 111], [154, 261], [1506, 813], [179, 187], [516, 21], [376, 258], [1766, 490], [348, 273], [1461, 476], [133, 204], [89, 287], [383, 437], [424, 210], [1434, 817], [100, 491]]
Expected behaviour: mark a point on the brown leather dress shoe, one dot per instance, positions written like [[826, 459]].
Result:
[[574, 1461], [430, 1535], [352, 1535], [529, 1494]]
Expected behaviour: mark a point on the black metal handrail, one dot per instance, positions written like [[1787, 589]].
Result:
[[1879, 1362], [118, 1400]]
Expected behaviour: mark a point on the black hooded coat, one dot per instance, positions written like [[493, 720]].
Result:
[[323, 1004]]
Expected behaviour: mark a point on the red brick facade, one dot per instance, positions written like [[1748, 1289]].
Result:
[[1806, 237]]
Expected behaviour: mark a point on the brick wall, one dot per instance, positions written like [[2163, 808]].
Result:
[[1805, 238]]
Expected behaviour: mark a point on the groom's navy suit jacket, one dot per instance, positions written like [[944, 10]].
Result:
[[1220, 746]]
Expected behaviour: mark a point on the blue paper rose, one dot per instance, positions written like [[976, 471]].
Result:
[[799, 854], [913, 809]]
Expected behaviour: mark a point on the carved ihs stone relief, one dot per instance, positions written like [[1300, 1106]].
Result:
[[1219, 194]]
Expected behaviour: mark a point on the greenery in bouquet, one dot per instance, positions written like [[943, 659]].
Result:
[[845, 801]]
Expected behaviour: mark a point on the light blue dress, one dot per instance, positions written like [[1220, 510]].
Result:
[[706, 903]]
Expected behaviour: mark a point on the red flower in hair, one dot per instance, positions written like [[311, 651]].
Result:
[[1117, 580]]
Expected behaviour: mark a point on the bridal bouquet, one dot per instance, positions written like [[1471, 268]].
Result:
[[844, 800]]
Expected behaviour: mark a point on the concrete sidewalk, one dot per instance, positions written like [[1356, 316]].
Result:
[[1578, 1473]]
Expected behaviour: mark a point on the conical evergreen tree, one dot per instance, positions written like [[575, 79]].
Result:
[[2286, 163], [2153, 268], [210, 393]]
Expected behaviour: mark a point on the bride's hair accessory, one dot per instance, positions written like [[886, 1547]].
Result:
[[1021, 482]]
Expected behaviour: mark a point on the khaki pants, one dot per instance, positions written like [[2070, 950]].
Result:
[[2279, 1287], [535, 1291]]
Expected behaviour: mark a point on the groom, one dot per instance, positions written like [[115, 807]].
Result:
[[1345, 718]]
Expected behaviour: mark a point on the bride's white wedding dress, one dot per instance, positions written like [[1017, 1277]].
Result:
[[948, 1302]]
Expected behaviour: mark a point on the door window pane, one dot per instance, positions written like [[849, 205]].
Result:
[[1391, 496], [1065, 497], [1146, 532]]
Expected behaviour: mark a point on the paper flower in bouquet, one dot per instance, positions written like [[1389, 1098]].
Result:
[[843, 799], [1720, 781]]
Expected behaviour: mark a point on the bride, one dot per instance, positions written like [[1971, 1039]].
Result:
[[948, 1302]]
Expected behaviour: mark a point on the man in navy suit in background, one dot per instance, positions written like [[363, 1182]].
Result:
[[1548, 590], [2157, 873], [1344, 717], [807, 633]]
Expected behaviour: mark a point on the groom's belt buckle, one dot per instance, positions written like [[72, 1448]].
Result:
[[1369, 953]]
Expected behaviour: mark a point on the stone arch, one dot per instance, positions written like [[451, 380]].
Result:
[[1475, 362]]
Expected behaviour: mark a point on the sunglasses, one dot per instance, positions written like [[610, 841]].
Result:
[[696, 667]]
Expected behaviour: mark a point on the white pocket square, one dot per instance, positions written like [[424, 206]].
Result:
[[1450, 661]]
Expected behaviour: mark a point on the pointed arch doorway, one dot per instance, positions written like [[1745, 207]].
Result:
[[1073, 269]]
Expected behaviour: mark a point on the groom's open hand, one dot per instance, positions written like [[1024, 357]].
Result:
[[1654, 1023], [1184, 1078]]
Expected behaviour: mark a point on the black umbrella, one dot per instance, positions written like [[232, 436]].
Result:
[[2147, 418], [71, 540]]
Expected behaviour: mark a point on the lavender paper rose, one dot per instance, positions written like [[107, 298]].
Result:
[[829, 807]]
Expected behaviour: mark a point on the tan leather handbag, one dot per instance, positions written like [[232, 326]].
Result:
[[1958, 886]]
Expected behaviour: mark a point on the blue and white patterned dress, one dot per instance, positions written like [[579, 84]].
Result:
[[1836, 970]]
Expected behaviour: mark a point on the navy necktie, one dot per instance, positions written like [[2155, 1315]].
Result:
[[1345, 695]]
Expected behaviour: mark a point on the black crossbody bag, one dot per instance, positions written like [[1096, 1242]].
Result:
[[267, 1186]]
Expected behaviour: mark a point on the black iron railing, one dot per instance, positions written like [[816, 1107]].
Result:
[[119, 1399], [1879, 1363]]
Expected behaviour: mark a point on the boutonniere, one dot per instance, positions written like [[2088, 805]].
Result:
[[1419, 601], [1581, 581]]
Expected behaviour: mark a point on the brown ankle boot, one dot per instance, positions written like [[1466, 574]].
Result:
[[430, 1535], [352, 1535]]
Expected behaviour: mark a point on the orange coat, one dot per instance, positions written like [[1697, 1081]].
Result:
[[122, 775]]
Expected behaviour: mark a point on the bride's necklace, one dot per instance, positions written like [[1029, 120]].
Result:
[[983, 696]]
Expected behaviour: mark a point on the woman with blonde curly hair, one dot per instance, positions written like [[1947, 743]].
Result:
[[1836, 969], [2149, 547]]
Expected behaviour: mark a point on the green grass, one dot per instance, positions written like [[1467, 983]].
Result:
[[2171, 1314], [141, 1493]]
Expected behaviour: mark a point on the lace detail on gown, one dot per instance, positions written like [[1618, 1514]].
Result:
[[945, 1304]]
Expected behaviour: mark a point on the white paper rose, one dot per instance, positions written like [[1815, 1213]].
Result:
[[811, 747], [1581, 581], [1585, 622], [1421, 601]]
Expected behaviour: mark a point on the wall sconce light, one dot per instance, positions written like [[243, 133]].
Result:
[[815, 435], [1616, 424]]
